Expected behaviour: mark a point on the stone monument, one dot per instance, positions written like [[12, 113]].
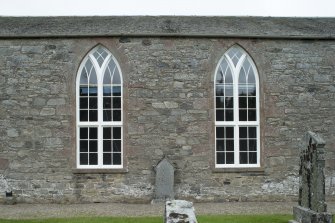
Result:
[[312, 207], [179, 211], [164, 180]]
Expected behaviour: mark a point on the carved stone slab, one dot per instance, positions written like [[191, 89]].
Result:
[[164, 180]]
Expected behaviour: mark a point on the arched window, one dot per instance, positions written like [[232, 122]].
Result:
[[99, 111], [236, 111]]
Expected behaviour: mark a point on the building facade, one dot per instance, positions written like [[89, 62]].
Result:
[[90, 105]]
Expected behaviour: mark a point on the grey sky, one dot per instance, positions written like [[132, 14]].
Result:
[[295, 8]]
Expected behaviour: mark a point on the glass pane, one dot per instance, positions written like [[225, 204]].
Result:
[[220, 158], [229, 145], [93, 133], [93, 145], [229, 102], [229, 132], [220, 131], [219, 90], [220, 145], [243, 132], [116, 145], [252, 158], [83, 158], [93, 158], [107, 91], [93, 115], [242, 102], [107, 145], [243, 145], [242, 77], [252, 115], [251, 102], [83, 115], [252, 90], [243, 158], [83, 77], [107, 159], [94, 102], [117, 133], [229, 90], [229, 115], [229, 77], [242, 90], [83, 103], [116, 115], [93, 77], [251, 77], [83, 133], [252, 132], [93, 91], [252, 145], [107, 133], [116, 102], [243, 115], [220, 102], [116, 90], [107, 78], [107, 115], [230, 158], [220, 115], [83, 91], [220, 76], [116, 158], [83, 146], [107, 102], [116, 77]]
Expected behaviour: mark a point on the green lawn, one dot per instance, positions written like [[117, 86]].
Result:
[[201, 219]]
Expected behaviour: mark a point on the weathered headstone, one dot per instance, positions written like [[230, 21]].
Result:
[[312, 207], [164, 180], [179, 211]]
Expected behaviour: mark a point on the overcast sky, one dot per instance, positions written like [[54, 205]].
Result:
[[295, 8]]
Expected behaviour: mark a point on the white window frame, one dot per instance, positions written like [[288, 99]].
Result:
[[236, 123], [100, 123]]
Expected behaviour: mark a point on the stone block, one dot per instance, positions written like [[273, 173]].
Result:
[[305, 215], [179, 211]]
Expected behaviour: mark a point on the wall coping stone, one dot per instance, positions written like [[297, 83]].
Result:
[[168, 26]]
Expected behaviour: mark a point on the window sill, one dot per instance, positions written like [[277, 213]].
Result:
[[252, 171], [89, 171]]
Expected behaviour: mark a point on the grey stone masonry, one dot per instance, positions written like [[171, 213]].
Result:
[[168, 66], [312, 205]]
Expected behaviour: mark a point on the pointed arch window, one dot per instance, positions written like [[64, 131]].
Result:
[[99, 111], [236, 111]]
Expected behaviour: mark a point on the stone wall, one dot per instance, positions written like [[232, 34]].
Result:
[[168, 110]]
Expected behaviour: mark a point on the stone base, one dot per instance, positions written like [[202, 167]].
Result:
[[305, 215], [9, 201]]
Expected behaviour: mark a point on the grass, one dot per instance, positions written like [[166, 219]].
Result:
[[201, 219]]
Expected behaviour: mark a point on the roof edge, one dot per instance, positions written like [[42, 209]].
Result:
[[168, 26]]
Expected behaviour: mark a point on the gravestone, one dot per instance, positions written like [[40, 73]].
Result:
[[164, 180], [179, 211], [312, 207]]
